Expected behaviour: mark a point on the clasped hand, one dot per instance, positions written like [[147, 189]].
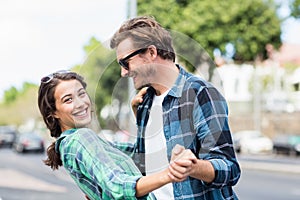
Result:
[[181, 165]]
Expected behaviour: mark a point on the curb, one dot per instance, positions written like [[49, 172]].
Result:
[[274, 167]]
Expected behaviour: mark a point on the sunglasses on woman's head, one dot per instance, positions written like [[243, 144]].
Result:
[[124, 61], [48, 78]]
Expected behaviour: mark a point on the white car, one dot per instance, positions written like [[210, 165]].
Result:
[[252, 141]]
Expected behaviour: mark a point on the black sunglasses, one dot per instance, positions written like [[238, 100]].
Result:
[[124, 61], [48, 78]]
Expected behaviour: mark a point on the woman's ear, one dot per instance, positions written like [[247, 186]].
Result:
[[54, 115]]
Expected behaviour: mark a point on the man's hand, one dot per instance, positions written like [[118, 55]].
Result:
[[181, 164]]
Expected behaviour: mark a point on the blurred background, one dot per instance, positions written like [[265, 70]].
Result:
[[249, 49]]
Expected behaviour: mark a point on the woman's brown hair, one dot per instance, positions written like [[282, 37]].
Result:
[[46, 103]]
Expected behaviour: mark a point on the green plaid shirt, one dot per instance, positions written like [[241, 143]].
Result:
[[100, 170]]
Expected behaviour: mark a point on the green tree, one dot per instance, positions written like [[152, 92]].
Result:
[[295, 8], [19, 105], [10, 95], [246, 24]]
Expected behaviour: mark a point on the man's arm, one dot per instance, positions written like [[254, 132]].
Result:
[[217, 163]]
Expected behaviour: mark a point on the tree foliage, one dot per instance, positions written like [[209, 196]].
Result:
[[295, 8], [246, 24], [12, 94], [19, 105]]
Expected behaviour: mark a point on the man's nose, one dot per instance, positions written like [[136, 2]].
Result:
[[124, 72]]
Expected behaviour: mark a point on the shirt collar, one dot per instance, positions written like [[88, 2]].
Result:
[[61, 137], [177, 89]]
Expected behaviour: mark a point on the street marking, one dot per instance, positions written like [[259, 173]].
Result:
[[16, 179]]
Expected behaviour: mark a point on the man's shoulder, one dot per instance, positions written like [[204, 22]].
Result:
[[195, 82], [193, 78]]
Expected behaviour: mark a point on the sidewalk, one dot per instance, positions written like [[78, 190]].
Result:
[[270, 163], [276, 167]]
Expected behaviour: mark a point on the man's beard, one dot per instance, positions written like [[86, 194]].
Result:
[[147, 75]]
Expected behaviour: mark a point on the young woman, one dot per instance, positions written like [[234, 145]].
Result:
[[100, 170]]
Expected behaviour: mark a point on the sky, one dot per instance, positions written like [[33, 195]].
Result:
[[38, 37]]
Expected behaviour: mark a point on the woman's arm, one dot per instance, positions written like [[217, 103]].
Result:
[[174, 173], [147, 184]]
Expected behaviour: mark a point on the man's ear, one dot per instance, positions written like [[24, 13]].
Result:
[[153, 51]]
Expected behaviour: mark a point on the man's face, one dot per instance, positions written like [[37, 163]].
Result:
[[138, 66]]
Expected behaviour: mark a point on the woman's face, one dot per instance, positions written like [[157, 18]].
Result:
[[73, 105]]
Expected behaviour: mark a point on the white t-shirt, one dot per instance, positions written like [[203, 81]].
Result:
[[156, 149]]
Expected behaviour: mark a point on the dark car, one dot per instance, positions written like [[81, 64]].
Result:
[[26, 142], [7, 135], [287, 144]]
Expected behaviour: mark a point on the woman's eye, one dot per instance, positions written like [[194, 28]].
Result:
[[68, 100], [82, 94]]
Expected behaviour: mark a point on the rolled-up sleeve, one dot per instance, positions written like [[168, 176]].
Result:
[[110, 170], [227, 173], [213, 132]]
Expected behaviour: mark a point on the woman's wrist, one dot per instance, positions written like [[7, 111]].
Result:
[[165, 177]]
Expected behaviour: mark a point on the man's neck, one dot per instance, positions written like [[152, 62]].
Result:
[[165, 78]]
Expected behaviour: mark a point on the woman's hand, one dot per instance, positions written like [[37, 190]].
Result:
[[138, 99], [181, 164]]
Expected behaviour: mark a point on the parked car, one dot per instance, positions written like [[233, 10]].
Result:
[[7, 135], [287, 144], [252, 141], [31, 141]]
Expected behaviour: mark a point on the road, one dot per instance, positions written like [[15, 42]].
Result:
[[275, 177], [263, 185], [26, 177]]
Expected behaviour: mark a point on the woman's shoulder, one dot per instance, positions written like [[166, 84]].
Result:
[[85, 132]]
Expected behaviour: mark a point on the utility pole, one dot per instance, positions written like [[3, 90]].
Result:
[[131, 8], [131, 12]]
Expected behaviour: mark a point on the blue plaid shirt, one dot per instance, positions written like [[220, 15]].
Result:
[[195, 115]]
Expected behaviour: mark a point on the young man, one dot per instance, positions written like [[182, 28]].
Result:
[[185, 110]]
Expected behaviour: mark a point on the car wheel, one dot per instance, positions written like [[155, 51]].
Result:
[[20, 149], [292, 152]]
